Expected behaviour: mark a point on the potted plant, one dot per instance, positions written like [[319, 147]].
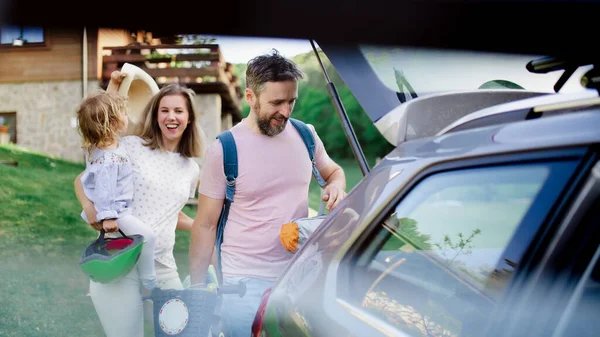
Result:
[[4, 134], [3, 126]]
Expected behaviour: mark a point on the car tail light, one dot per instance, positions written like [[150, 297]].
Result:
[[260, 313]]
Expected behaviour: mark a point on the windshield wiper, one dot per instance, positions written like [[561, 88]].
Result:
[[548, 64], [406, 92]]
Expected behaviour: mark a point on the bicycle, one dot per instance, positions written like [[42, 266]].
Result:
[[191, 311]]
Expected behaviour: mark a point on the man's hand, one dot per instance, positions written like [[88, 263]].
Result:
[[110, 225], [335, 190], [333, 195]]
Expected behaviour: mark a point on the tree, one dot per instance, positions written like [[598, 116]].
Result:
[[463, 246], [195, 39], [407, 233], [500, 84]]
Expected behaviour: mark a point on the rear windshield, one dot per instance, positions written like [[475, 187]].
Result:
[[428, 71]]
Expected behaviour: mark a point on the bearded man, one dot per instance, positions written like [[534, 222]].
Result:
[[274, 173]]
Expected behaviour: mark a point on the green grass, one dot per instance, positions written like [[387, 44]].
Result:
[[41, 238]]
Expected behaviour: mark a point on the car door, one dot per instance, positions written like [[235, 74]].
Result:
[[560, 292], [442, 259]]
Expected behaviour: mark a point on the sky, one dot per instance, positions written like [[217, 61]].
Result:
[[242, 49], [426, 70]]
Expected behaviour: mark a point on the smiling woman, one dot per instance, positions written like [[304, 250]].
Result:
[[165, 176], [165, 122], [173, 117]]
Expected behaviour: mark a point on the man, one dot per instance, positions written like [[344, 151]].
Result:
[[274, 173]]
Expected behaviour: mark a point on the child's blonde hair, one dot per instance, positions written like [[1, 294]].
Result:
[[98, 118]]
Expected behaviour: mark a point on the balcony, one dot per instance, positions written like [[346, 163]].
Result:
[[199, 67]]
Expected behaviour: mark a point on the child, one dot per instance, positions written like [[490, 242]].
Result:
[[108, 177]]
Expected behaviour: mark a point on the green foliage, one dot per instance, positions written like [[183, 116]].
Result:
[[154, 55], [463, 245], [500, 84], [406, 232], [195, 39]]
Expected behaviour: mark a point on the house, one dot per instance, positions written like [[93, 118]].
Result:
[[45, 73]]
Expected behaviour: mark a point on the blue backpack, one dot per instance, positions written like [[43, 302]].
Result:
[[230, 166]]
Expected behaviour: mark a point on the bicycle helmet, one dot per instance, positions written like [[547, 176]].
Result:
[[108, 259]]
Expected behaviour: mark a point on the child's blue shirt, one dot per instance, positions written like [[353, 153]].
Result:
[[108, 182]]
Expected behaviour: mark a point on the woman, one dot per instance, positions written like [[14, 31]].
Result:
[[165, 177]]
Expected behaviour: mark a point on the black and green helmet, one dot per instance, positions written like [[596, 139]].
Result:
[[108, 259]]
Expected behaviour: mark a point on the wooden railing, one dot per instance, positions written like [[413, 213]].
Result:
[[214, 74]]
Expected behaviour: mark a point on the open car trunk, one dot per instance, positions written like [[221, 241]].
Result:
[[404, 114]]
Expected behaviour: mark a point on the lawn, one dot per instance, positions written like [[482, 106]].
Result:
[[41, 239]]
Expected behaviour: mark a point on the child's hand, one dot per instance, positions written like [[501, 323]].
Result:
[[110, 225], [116, 77], [90, 213]]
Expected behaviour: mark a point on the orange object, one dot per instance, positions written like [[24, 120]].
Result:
[[289, 236]]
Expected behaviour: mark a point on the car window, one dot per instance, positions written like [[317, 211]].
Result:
[[442, 259], [583, 320], [412, 70], [580, 317]]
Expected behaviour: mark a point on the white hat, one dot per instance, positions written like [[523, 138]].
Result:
[[139, 87]]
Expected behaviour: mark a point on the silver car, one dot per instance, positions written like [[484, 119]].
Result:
[[483, 221]]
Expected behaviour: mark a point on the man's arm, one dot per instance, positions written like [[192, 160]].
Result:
[[335, 190], [202, 239]]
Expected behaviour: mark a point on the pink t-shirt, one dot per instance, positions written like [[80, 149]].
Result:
[[274, 174]]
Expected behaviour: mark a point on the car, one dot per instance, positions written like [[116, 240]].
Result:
[[482, 221]]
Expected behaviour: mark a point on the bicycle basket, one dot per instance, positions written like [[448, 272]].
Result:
[[183, 313]]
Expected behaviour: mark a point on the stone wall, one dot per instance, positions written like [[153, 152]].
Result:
[[208, 107], [45, 115]]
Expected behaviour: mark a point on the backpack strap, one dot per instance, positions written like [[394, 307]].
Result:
[[309, 141], [230, 167]]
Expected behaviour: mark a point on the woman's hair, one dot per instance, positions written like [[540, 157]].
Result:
[[192, 141], [98, 119]]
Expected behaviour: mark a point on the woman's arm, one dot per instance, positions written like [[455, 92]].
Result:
[[184, 222], [86, 204]]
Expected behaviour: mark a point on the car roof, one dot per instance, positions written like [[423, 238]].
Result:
[[412, 157], [566, 130]]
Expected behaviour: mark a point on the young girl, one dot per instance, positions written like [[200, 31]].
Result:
[[108, 176]]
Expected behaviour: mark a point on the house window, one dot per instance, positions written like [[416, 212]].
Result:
[[18, 36], [8, 127]]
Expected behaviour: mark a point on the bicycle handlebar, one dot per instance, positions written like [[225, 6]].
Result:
[[239, 289]]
